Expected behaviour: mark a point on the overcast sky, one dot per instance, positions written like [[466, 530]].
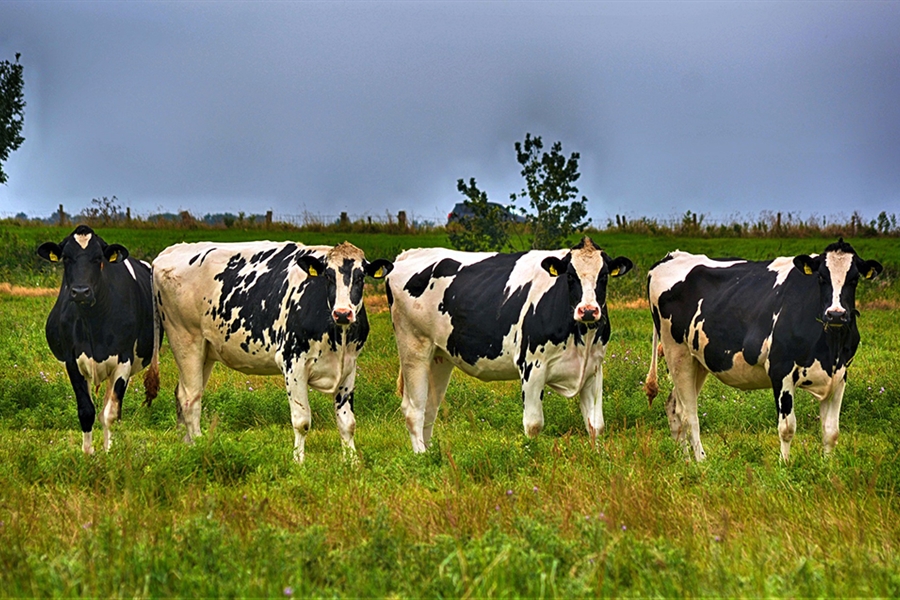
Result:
[[722, 108]]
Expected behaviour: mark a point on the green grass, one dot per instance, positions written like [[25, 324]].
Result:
[[20, 265], [485, 512]]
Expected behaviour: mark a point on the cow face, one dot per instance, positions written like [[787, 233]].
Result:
[[838, 271], [343, 272], [83, 254], [587, 270]]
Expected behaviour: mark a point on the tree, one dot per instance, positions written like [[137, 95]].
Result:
[[550, 188], [485, 229], [12, 110]]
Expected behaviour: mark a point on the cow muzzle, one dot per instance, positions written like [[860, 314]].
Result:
[[587, 314], [836, 317], [343, 316], [82, 294]]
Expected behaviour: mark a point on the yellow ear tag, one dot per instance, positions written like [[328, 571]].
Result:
[[552, 270], [614, 272], [807, 270], [379, 273], [312, 272], [870, 274], [114, 257], [54, 257]]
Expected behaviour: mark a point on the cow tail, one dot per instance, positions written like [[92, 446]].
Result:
[[151, 377], [651, 386]]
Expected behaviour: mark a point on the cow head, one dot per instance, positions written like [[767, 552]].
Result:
[[587, 269], [83, 255], [343, 272], [838, 270]]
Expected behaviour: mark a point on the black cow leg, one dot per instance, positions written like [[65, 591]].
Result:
[[86, 411]]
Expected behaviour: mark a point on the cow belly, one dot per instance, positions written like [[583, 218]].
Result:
[[499, 369], [744, 376], [253, 361]]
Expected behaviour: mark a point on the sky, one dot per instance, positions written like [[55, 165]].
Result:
[[727, 109]]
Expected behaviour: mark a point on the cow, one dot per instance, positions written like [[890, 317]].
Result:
[[267, 308], [102, 325], [783, 324], [538, 316]]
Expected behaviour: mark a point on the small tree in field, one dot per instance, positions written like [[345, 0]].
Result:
[[485, 229], [550, 188], [12, 110]]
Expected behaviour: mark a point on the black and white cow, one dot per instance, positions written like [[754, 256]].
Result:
[[784, 324], [267, 308], [537, 316], [101, 326]]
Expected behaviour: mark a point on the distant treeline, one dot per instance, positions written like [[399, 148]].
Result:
[[766, 224]]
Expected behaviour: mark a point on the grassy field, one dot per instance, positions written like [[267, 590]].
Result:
[[486, 512]]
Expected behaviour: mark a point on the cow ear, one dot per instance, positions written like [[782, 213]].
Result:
[[555, 266], [378, 269], [50, 251], [311, 265], [807, 264], [870, 269], [620, 266], [115, 253]]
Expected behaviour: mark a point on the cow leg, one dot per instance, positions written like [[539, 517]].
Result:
[[112, 402], [415, 370], [830, 414], [441, 369], [533, 403], [592, 404], [343, 411], [301, 416], [86, 411], [193, 373], [688, 376], [784, 408]]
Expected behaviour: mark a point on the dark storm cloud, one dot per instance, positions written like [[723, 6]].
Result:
[[714, 107]]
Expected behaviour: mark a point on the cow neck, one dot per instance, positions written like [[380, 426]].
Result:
[[836, 339]]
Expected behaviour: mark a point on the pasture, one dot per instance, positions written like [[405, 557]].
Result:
[[486, 511]]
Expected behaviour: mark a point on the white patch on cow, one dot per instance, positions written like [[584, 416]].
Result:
[[838, 264], [130, 268], [666, 275], [94, 371], [588, 262], [83, 239], [822, 385], [783, 265]]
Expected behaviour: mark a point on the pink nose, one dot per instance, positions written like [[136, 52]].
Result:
[[342, 316], [588, 314]]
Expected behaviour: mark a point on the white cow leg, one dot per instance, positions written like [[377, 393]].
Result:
[[533, 401], [592, 404], [830, 414], [688, 377], [301, 416], [193, 373], [112, 402], [343, 412], [415, 397], [441, 369]]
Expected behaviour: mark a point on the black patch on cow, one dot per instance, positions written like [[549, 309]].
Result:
[[480, 312], [389, 293], [418, 283], [786, 404], [446, 268], [343, 398], [119, 388], [193, 259]]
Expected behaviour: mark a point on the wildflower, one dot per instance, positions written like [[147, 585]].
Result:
[[87, 525], [624, 528], [288, 591], [534, 489], [881, 391], [509, 492]]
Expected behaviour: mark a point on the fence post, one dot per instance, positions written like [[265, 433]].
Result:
[[62, 216], [268, 219], [401, 219]]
